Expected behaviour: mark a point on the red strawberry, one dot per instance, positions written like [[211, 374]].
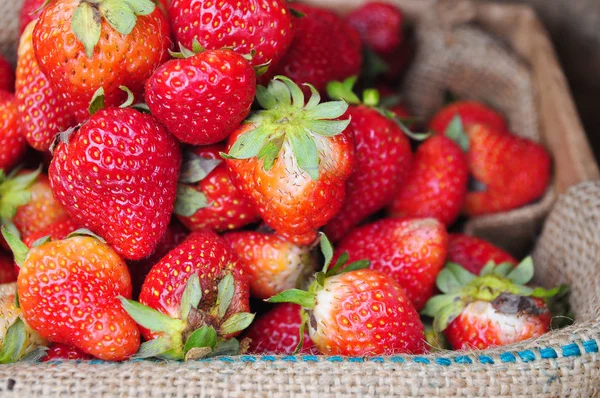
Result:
[[277, 332], [7, 75], [42, 113], [61, 352], [437, 184], [411, 250], [193, 300], [12, 142], [470, 112], [7, 269], [203, 98], [292, 159], [379, 26], [58, 230], [117, 175], [357, 312], [491, 310], [68, 293], [82, 46], [383, 159], [260, 26], [514, 171], [28, 13], [205, 181], [474, 253], [324, 49], [272, 264]]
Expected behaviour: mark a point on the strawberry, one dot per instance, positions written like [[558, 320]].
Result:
[[514, 171], [7, 75], [12, 142], [207, 198], [41, 112], [470, 112], [474, 253], [61, 352], [58, 230], [379, 26], [8, 273], [28, 13], [410, 250], [17, 338], [437, 184], [82, 46], [382, 161], [117, 175], [324, 49], [272, 264], [356, 312], [276, 332], [68, 293], [259, 26], [193, 301], [292, 159], [491, 310], [203, 97]]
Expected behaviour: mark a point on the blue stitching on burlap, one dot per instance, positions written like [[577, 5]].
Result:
[[463, 359], [310, 358], [247, 358], [508, 357], [289, 358], [397, 359], [421, 360], [377, 359], [570, 350], [548, 353], [269, 358], [443, 361], [335, 359], [355, 359], [486, 359], [590, 346], [526, 355]]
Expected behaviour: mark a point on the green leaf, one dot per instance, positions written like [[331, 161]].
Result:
[[141, 7], [20, 251], [305, 151], [446, 315], [328, 110], [406, 130], [373, 66], [320, 278], [342, 260], [197, 48], [85, 232], [327, 250], [13, 342], [226, 289], [119, 15], [87, 26], [249, 144], [315, 97], [355, 266], [488, 268], [206, 336], [503, 269], [196, 353], [456, 132], [153, 348], [130, 97], [261, 69], [192, 294], [540, 292], [447, 282], [296, 296], [462, 275], [343, 91], [435, 304], [150, 318], [189, 201], [522, 273], [97, 102], [270, 151], [226, 348], [327, 128], [301, 330], [296, 13], [10, 227], [35, 355], [236, 322], [196, 168], [265, 98], [41, 241], [280, 92], [295, 91], [371, 97]]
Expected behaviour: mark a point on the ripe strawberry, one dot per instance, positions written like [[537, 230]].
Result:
[[12, 142], [470, 112], [207, 198], [491, 310], [292, 160], [28, 13], [193, 301], [437, 184], [357, 312], [7, 269], [379, 26], [41, 112], [7, 75], [82, 46], [117, 175], [272, 264], [68, 293], [62, 352], [262, 26], [204, 97], [410, 250], [474, 253], [277, 332], [324, 49], [513, 170], [58, 230], [382, 161]]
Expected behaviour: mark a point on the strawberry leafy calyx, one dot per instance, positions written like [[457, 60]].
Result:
[[460, 288], [307, 298], [196, 333], [288, 122], [14, 193], [121, 15], [456, 132], [194, 168]]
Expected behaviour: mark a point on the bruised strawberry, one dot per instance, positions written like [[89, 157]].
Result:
[[271, 263], [292, 160], [61, 352], [470, 112], [206, 196], [277, 332], [12, 141], [410, 250], [474, 253]]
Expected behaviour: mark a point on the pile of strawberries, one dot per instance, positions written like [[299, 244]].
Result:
[[254, 130]]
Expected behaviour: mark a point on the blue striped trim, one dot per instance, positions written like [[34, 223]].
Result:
[[545, 353]]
